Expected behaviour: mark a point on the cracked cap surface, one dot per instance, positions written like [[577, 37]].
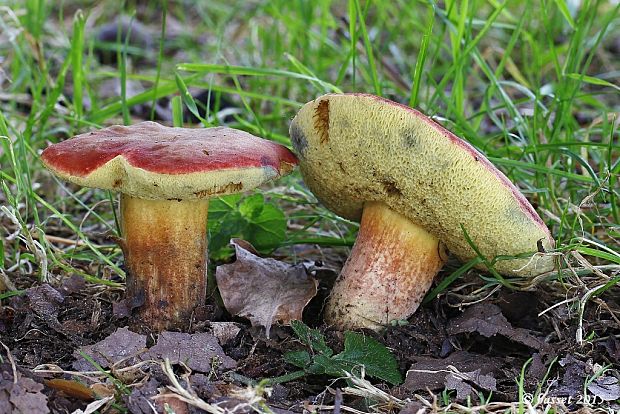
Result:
[[355, 148], [152, 161]]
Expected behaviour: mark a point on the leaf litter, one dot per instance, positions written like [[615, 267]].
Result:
[[487, 319], [122, 345], [265, 291], [200, 352], [20, 394], [471, 364], [461, 371]]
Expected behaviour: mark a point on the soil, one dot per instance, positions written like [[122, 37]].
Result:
[[48, 323]]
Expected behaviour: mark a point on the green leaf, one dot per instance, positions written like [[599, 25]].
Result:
[[301, 359], [253, 219], [267, 223], [311, 338], [324, 365], [77, 52], [361, 350], [224, 222]]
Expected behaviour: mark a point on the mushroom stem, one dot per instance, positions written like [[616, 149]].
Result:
[[391, 267], [165, 248]]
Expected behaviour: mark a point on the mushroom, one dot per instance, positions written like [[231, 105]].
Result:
[[415, 186], [165, 176]]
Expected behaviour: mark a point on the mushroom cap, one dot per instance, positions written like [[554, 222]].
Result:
[[355, 148], [152, 161]]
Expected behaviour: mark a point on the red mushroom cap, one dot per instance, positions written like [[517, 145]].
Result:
[[152, 161]]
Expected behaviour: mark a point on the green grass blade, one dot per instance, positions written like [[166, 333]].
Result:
[[77, 52], [250, 71], [368, 46], [160, 55], [592, 80], [421, 60], [177, 111], [563, 7], [122, 59], [448, 280], [188, 99], [540, 168], [610, 257]]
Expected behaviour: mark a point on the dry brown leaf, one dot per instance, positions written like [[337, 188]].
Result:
[[264, 290], [71, 388], [487, 319], [120, 345], [467, 384], [432, 373], [199, 352], [225, 332], [21, 395]]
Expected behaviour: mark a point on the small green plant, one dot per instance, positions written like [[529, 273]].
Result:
[[261, 223], [361, 352]]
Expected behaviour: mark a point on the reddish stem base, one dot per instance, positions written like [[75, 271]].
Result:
[[390, 269]]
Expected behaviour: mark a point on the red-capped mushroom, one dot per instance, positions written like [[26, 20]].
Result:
[[165, 177]]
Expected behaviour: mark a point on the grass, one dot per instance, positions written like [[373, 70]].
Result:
[[533, 85]]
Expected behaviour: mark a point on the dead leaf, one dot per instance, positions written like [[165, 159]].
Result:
[[576, 372], [467, 384], [200, 352], [605, 387], [431, 373], [72, 285], [71, 388], [139, 401], [124, 307], [487, 320], [44, 301], [94, 406], [122, 344], [225, 332], [537, 370], [264, 290], [21, 395], [612, 347], [168, 403], [202, 385], [103, 390]]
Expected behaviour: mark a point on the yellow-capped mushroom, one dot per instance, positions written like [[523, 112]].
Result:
[[414, 185]]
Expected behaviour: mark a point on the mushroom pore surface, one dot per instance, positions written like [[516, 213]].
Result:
[[356, 148]]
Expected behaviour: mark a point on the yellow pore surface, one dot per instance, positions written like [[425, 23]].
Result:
[[359, 148], [119, 175]]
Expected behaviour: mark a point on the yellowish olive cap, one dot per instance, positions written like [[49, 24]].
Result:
[[356, 148]]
